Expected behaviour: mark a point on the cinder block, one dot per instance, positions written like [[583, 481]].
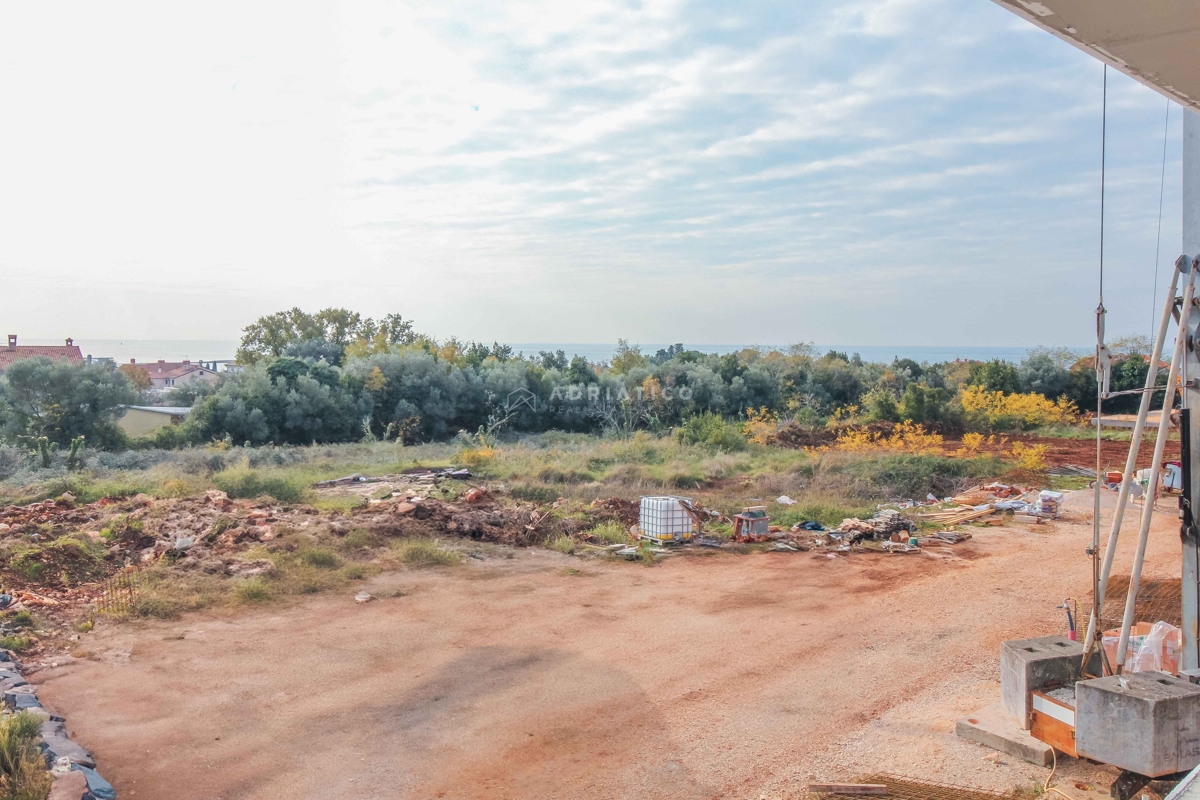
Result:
[[1144, 722], [1030, 664]]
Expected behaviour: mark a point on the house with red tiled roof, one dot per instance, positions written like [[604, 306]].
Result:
[[169, 374], [14, 352]]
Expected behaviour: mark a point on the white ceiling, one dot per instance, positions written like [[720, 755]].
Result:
[[1156, 42]]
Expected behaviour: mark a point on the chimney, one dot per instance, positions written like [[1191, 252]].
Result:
[[70, 341], [12, 340], [133, 361], [162, 361], [186, 362]]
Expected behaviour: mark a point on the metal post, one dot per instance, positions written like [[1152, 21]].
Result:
[[1135, 445], [1191, 396], [1164, 428]]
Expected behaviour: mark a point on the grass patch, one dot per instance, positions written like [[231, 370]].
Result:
[[534, 493], [244, 482], [426, 553], [23, 774]]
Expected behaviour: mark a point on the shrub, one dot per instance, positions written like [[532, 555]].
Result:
[[906, 437], [1005, 411], [711, 430], [18, 644], [1030, 457], [320, 558]]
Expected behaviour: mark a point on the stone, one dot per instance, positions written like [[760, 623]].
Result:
[[59, 746], [141, 500], [100, 788], [1143, 722], [71, 786], [1027, 665], [994, 727]]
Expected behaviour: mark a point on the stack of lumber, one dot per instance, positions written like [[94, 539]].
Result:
[[957, 516]]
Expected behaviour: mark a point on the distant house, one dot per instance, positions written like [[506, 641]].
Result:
[[169, 374], [16, 352], [145, 420]]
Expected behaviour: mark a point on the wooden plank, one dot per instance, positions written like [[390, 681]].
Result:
[[873, 789], [1058, 735]]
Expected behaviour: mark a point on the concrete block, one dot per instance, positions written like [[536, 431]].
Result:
[[1144, 722], [1030, 664], [994, 727]]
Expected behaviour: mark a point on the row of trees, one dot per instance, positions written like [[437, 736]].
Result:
[[337, 376]]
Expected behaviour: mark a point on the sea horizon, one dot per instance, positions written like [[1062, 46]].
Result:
[[151, 350]]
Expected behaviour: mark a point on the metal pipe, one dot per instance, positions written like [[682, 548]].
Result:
[[1160, 443], [1181, 265]]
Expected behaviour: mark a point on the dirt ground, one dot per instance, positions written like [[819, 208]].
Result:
[[534, 675]]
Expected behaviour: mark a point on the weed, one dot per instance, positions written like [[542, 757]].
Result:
[[610, 533], [425, 553], [534, 493], [562, 544], [320, 558], [253, 590], [154, 608], [358, 539], [355, 572]]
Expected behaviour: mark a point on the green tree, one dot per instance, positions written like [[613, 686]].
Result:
[[923, 403], [880, 406], [627, 358], [327, 333], [995, 376], [60, 401]]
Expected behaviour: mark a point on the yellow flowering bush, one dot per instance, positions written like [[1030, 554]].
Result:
[[906, 437], [1024, 410]]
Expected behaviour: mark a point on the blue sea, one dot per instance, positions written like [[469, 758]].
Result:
[[122, 350]]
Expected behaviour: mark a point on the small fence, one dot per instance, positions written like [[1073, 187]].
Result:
[[120, 592]]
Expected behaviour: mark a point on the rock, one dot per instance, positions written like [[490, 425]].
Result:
[[249, 569], [66, 497], [187, 563], [404, 508], [213, 566], [216, 497], [475, 496], [363, 597], [141, 500], [100, 788], [56, 747], [71, 786]]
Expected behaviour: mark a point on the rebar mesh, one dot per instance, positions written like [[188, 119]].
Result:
[[120, 591], [1158, 600], [906, 788]]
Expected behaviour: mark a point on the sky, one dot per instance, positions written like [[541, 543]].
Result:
[[902, 172]]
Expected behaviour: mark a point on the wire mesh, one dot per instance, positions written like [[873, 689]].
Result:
[[907, 788], [120, 592], [1158, 600]]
